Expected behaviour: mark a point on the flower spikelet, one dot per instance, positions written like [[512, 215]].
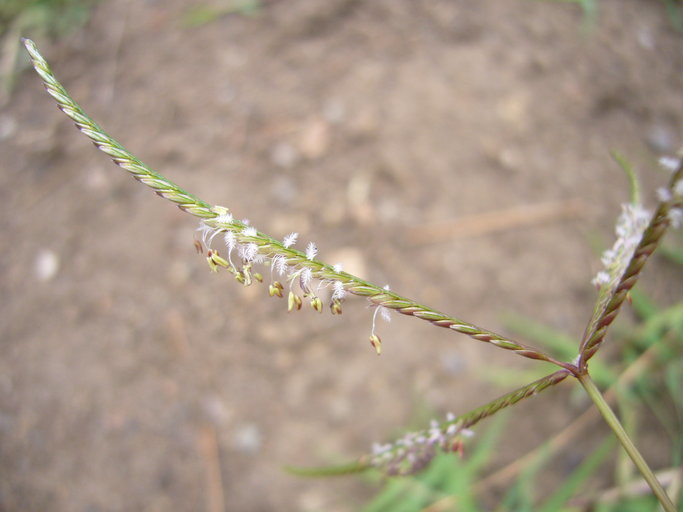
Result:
[[415, 450], [629, 230]]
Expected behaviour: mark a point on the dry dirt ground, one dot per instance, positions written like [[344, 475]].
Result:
[[388, 132]]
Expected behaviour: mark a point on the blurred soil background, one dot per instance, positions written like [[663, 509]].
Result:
[[458, 151]]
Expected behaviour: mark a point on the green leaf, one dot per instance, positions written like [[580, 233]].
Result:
[[563, 346], [589, 7], [580, 475], [391, 494], [643, 305], [673, 12], [204, 14], [626, 166], [673, 254], [520, 495]]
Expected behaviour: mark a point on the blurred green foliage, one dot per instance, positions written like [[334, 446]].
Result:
[[672, 8], [651, 397], [45, 17], [199, 15], [36, 19]]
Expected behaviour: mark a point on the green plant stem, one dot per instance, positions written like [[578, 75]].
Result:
[[625, 440]]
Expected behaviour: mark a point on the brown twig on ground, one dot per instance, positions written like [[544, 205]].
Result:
[[491, 222], [208, 447]]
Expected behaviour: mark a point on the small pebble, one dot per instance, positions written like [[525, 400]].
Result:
[[8, 127], [646, 39], [334, 111], [454, 364], [284, 155], [248, 439], [215, 409], [661, 138], [315, 139], [46, 265], [284, 190]]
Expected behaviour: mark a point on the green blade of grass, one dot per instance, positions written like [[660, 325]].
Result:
[[580, 475], [626, 166], [520, 495]]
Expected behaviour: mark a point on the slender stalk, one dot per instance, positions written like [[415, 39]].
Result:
[[626, 442]]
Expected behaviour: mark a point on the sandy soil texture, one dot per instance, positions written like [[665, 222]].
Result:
[[458, 151]]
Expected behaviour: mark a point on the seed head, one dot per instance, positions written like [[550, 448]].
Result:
[[629, 230], [415, 450]]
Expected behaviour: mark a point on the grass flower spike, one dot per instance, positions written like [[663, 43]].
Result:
[[255, 247]]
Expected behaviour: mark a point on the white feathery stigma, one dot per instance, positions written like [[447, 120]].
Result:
[[338, 292], [290, 240], [311, 250], [224, 218], [600, 279], [669, 163], [305, 278], [204, 229], [415, 450], [608, 257], [663, 194], [248, 252], [213, 235], [385, 313], [249, 231], [629, 229], [280, 264], [230, 241]]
